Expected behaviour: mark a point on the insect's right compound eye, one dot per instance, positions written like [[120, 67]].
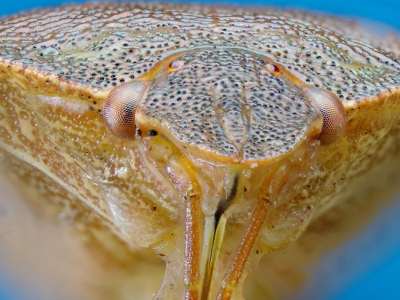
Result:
[[120, 107]]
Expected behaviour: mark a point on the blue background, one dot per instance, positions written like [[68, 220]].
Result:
[[381, 278], [386, 11]]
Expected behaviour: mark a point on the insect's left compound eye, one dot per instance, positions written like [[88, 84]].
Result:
[[175, 65], [333, 113], [120, 107]]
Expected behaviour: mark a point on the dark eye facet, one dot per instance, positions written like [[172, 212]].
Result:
[[152, 132]]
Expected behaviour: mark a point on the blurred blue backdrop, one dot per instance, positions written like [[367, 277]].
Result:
[[386, 11], [381, 278]]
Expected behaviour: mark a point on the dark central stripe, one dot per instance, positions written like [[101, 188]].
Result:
[[225, 202]]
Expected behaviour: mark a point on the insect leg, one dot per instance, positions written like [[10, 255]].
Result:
[[273, 187], [183, 176], [238, 263]]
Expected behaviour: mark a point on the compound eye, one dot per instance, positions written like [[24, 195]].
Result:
[[175, 65], [333, 113], [120, 107], [273, 69]]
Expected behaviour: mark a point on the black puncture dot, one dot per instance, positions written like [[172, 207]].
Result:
[[138, 132], [152, 132]]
